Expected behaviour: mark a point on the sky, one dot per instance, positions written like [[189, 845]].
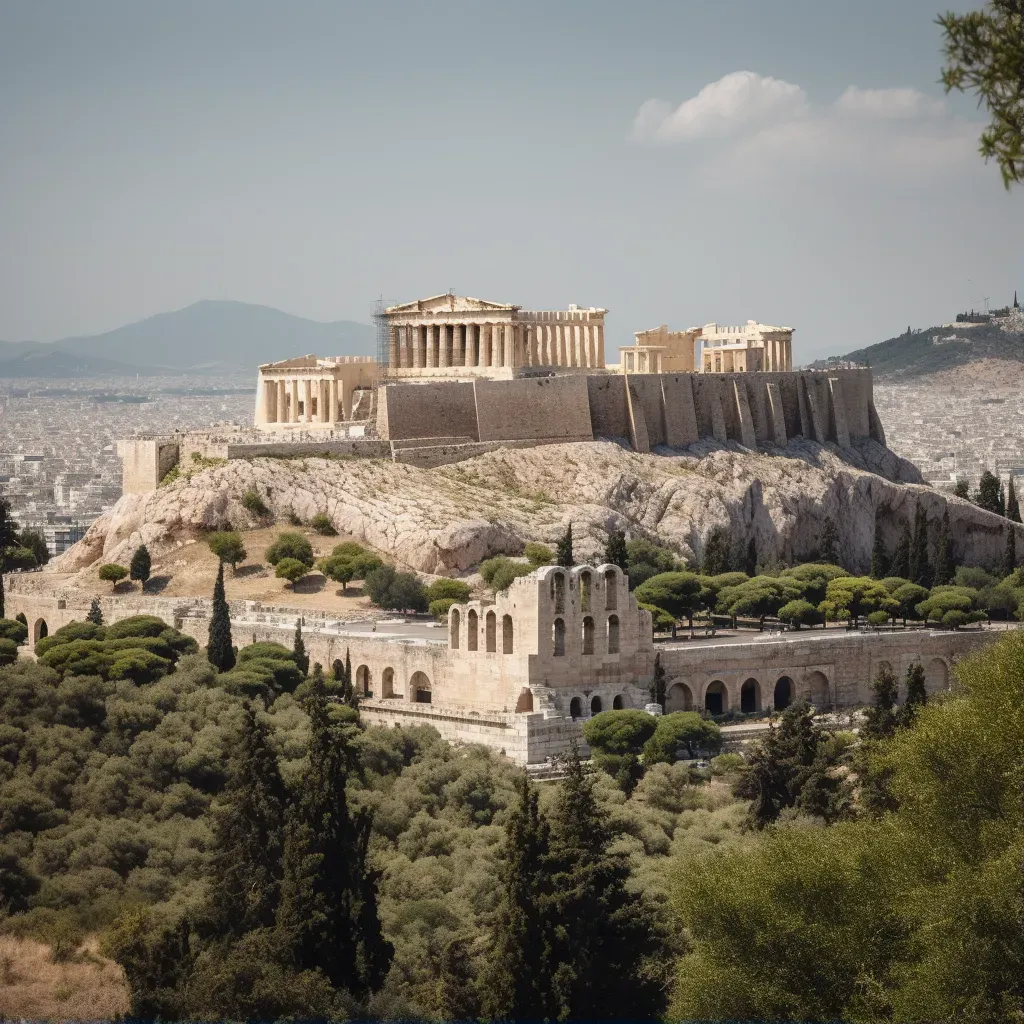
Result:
[[793, 161]]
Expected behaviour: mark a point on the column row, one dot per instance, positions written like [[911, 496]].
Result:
[[302, 400]]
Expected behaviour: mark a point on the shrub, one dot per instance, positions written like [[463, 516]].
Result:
[[499, 572], [397, 591], [139, 666], [265, 649], [290, 569], [134, 625], [348, 549], [723, 764], [227, 546], [291, 545], [12, 629], [684, 730], [802, 613], [619, 732], [321, 522], [445, 589], [252, 502], [645, 559], [8, 651], [538, 554], [113, 573], [439, 608], [663, 622], [878, 618]]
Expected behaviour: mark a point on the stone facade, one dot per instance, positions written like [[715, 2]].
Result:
[[456, 336], [660, 350], [745, 348], [310, 392], [521, 673]]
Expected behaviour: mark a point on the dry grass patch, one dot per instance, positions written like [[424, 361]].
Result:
[[33, 987]]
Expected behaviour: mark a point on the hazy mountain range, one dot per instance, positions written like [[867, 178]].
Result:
[[206, 337]]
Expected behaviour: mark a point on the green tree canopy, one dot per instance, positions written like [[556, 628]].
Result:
[[678, 593], [228, 546], [293, 546]]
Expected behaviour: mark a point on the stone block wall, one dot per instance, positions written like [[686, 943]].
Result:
[[533, 407]]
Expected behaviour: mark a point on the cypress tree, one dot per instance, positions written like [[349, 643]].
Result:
[[518, 974], [348, 671], [615, 552], [901, 557], [249, 836], [944, 565], [598, 922], [299, 649], [920, 571], [961, 489], [717, 556], [750, 562], [457, 995], [141, 565], [219, 651], [327, 917], [1012, 507], [1001, 507], [95, 613], [563, 551], [1010, 555], [881, 719], [917, 696], [988, 493], [879, 557], [657, 687], [2, 597], [829, 542]]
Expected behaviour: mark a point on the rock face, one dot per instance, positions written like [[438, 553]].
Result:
[[446, 520]]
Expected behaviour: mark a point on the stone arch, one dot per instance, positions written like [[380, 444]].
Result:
[[716, 698], [491, 632], [387, 683], [750, 696], [507, 634], [558, 638], [817, 690], [558, 591], [455, 626], [936, 676], [619, 702], [40, 631], [678, 697], [419, 684], [472, 630], [524, 705], [586, 589], [611, 590], [588, 635], [363, 679], [575, 708], [782, 696], [338, 669], [613, 634], [595, 705]]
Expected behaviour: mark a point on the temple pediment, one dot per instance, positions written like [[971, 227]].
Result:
[[450, 304]]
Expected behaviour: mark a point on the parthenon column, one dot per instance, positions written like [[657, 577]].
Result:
[[332, 401], [282, 402], [269, 397], [442, 345], [307, 400], [459, 345], [600, 345], [509, 352], [403, 346], [295, 399], [392, 346]]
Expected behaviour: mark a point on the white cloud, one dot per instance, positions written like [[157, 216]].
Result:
[[739, 100], [889, 103]]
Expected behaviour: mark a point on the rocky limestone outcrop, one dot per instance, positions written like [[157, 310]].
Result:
[[446, 520]]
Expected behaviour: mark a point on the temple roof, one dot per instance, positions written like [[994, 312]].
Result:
[[449, 303]]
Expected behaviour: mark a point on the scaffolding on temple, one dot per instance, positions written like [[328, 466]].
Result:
[[383, 334]]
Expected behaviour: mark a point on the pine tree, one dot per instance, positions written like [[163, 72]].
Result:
[[917, 696], [219, 651], [879, 557], [95, 613], [299, 649], [598, 922], [327, 916], [1010, 555], [141, 565], [615, 549], [901, 557], [829, 542], [518, 974], [961, 489], [249, 836], [657, 687], [1012, 507], [944, 565], [987, 496], [563, 551], [880, 720], [920, 570]]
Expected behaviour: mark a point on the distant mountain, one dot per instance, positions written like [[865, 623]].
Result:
[[47, 362], [941, 348], [206, 337]]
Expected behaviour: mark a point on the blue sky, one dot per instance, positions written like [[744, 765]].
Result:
[[312, 156]]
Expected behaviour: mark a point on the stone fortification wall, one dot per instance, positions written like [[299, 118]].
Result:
[[533, 408], [441, 409]]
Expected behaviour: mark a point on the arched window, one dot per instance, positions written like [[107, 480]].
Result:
[[420, 684], [595, 706], [619, 702], [524, 705], [586, 585], [783, 695], [387, 683], [363, 679], [558, 592], [678, 698], [472, 630], [611, 591], [613, 634], [491, 629], [575, 708], [588, 635], [506, 634], [338, 670], [39, 631], [456, 623], [558, 638], [750, 696], [716, 699]]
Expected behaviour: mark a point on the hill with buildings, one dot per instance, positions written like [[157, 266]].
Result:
[[206, 337]]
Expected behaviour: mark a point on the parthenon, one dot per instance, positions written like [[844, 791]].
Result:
[[454, 336]]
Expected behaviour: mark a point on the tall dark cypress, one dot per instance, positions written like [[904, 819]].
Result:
[[920, 570], [1010, 555], [219, 651], [2, 598], [95, 613], [327, 918], [901, 557], [944, 565], [517, 983], [563, 551], [615, 552], [249, 836], [1012, 506], [299, 649], [598, 923], [917, 695], [657, 687], [1001, 500], [829, 542], [880, 720], [879, 556]]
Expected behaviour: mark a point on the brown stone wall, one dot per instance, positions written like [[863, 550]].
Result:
[[549, 407], [609, 413], [445, 409]]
